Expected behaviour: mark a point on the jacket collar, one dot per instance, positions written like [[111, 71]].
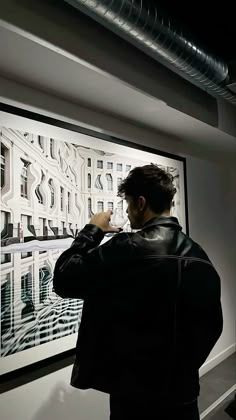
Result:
[[163, 221]]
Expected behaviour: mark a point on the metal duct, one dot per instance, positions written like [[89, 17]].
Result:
[[139, 22]]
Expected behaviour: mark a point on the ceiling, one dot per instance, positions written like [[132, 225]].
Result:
[[32, 61], [210, 25]]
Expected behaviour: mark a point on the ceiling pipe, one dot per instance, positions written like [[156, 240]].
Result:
[[140, 23]]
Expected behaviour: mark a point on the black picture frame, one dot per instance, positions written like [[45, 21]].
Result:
[[39, 368]]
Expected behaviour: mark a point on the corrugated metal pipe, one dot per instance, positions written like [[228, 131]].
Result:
[[139, 22]]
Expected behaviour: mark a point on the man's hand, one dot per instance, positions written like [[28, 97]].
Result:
[[102, 220]]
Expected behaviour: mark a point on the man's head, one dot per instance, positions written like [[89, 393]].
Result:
[[149, 192]]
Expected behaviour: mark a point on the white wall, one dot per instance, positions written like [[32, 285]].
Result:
[[211, 203], [212, 209], [52, 398]]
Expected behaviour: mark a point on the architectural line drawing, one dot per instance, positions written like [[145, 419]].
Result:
[[49, 188]]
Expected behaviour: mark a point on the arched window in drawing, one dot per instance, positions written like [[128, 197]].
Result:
[[24, 180], [3, 164], [110, 205], [38, 192], [62, 198], [89, 162], [89, 207], [98, 183], [68, 201], [26, 295], [119, 180], [41, 142], [6, 304], [109, 182], [52, 148], [61, 160], [52, 192], [89, 180], [44, 283], [120, 207], [100, 164], [100, 206], [39, 195], [5, 220], [176, 181]]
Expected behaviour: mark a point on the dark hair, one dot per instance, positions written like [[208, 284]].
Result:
[[151, 182]]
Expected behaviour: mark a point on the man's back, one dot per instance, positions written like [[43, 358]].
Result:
[[152, 310], [151, 314]]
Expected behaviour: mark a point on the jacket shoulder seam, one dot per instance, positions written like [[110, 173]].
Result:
[[178, 257]]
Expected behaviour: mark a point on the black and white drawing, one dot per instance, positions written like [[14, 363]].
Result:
[[49, 187]]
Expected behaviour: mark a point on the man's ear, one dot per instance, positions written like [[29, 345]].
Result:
[[142, 203]]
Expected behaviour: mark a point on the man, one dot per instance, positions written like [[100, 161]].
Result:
[[152, 310]]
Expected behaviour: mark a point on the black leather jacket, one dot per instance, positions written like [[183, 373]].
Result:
[[152, 310]]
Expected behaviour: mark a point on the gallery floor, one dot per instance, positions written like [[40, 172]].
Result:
[[218, 390]]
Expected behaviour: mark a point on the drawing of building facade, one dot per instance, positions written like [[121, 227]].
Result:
[[53, 184], [31, 313]]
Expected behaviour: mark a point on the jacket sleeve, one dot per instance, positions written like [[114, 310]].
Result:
[[84, 269], [210, 332], [210, 327], [203, 305]]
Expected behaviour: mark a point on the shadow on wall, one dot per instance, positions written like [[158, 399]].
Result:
[[67, 403]]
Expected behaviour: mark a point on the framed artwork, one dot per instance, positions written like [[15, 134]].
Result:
[[53, 175]]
